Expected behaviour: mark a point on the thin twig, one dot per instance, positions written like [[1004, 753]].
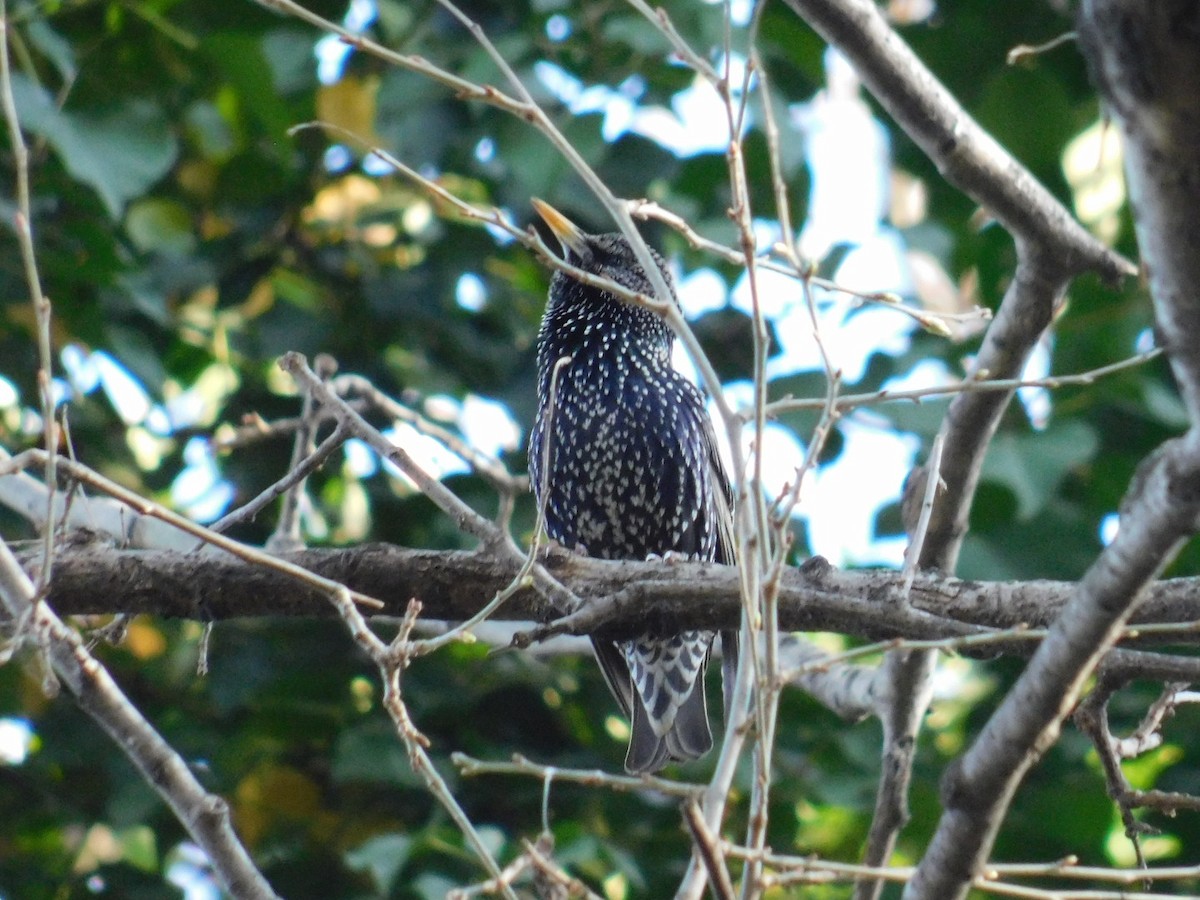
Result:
[[710, 852], [297, 472], [933, 483], [524, 577], [1023, 52], [469, 767], [391, 661], [23, 226], [488, 467], [783, 260], [287, 533], [553, 877], [979, 381], [463, 516]]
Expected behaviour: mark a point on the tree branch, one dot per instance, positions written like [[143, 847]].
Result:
[[966, 155], [1052, 248], [979, 788], [97, 578], [1146, 59]]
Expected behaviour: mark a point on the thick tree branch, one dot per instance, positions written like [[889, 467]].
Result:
[[980, 787], [453, 585], [972, 419], [966, 155], [1052, 248], [967, 430], [1146, 59]]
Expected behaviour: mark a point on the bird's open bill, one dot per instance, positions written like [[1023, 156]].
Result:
[[569, 234]]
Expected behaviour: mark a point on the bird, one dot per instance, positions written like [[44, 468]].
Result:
[[624, 464]]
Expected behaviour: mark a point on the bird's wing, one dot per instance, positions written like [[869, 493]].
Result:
[[722, 499], [616, 672], [715, 493], [722, 504]]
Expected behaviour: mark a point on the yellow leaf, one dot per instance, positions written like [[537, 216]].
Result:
[[273, 795], [350, 104], [144, 640]]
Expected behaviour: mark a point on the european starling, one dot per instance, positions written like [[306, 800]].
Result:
[[632, 472]]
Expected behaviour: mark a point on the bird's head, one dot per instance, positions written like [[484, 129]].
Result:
[[605, 255]]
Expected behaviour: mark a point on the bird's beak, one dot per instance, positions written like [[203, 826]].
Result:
[[568, 233]]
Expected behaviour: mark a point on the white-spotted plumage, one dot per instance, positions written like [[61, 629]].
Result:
[[632, 472]]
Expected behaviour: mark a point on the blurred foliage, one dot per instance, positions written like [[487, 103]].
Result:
[[185, 232]]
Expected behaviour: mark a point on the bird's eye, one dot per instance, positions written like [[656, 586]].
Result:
[[577, 259], [613, 257]]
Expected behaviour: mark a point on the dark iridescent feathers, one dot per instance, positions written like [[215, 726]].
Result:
[[632, 471]]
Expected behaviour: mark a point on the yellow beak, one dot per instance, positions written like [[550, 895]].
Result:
[[569, 234]]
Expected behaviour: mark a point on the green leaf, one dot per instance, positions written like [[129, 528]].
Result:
[[395, 19], [432, 886], [56, 48], [158, 225], [120, 152], [249, 67], [138, 847], [382, 858], [1033, 465], [289, 53], [372, 752], [210, 131]]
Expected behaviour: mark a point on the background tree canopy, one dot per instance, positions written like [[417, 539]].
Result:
[[187, 237]]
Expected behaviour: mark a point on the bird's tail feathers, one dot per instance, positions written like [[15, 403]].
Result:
[[669, 719], [659, 684], [688, 738]]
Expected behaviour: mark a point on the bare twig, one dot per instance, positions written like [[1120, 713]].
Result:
[[784, 260], [488, 467], [1092, 719], [507, 878], [1024, 52], [932, 473], [391, 660], [23, 225], [469, 767], [980, 380], [297, 473], [286, 535], [463, 516], [551, 881], [709, 849], [903, 689], [28, 496]]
